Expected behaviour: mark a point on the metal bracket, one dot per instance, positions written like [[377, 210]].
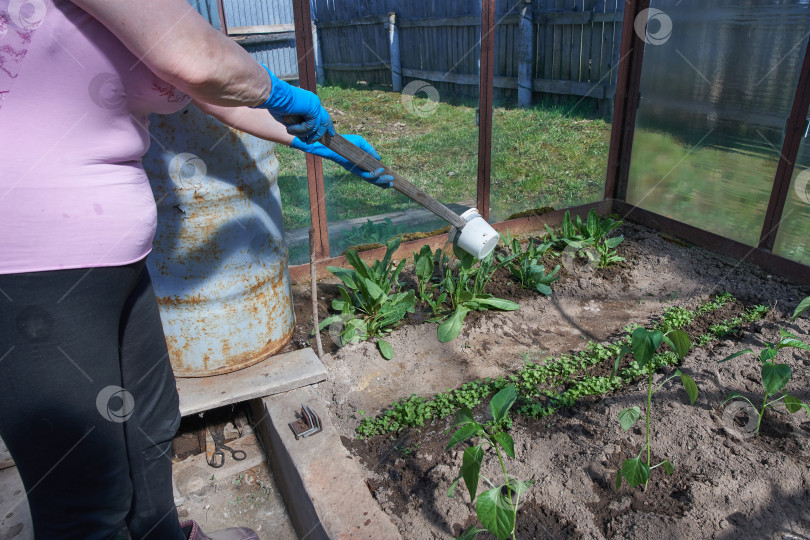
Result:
[[308, 424]]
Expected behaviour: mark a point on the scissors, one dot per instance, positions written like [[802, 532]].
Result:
[[216, 459]]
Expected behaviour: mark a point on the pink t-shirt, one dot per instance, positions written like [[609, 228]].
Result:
[[73, 127]]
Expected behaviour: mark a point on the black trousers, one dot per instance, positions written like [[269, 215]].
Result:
[[88, 403]]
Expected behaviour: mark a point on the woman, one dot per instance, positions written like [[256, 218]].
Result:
[[88, 401]]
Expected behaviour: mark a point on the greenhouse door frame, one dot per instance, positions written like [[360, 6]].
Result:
[[621, 141]]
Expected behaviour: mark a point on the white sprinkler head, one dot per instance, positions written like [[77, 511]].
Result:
[[477, 237]]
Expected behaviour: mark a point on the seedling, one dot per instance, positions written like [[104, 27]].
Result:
[[607, 252], [370, 304], [644, 344], [803, 306], [587, 237], [465, 291], [424, 262], [497, 507], [459, 290], [774, 376], [524, 265], [545, 386]]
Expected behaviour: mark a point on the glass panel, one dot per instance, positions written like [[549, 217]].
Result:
[[427, 132], [553, 152], [292, 183], [793, 238], [717, 86]]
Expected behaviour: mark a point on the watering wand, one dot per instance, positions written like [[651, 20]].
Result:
[[469, 231]]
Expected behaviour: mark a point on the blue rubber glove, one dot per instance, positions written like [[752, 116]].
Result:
[[288, 101], [377, 177]]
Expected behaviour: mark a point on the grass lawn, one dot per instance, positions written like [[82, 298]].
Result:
[[541, 157]]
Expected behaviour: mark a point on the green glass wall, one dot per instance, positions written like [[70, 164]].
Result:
[[554, 152], [426, 130], [717, 86]]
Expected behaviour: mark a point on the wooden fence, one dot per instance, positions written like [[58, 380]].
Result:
[[545, 48]]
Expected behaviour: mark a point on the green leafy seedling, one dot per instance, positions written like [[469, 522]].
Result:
[[524, 264], [774, 376], [607, 252], [496, 507], [465, 291], [643, 345], [803, 306], [370, 302], [428, 288], [588, 236]]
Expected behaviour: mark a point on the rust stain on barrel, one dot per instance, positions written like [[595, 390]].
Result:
[[225, 309], [241, 361]]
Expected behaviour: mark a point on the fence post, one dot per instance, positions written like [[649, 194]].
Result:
[[393, 44], [525, 57], [316, 48]]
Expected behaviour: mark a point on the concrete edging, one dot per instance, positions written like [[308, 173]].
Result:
[[323, 486]]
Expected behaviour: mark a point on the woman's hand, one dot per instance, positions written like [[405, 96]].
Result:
[[299, 110], [377, 177]]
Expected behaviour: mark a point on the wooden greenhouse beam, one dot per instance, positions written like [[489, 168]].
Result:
[[628, 81], [223, 24], [794, 133], [485, 106], [306, 76]]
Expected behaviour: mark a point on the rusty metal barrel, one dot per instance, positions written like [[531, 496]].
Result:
[[218, 261]]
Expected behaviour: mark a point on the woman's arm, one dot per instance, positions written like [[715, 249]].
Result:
[[180, 47], [257, 122], [260, 123]]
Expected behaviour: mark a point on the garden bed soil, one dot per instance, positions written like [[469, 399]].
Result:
[[726, 484]]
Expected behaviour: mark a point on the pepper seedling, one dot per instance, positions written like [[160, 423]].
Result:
[[644, 344], [803, 306], [774, 376], [497, 507]]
